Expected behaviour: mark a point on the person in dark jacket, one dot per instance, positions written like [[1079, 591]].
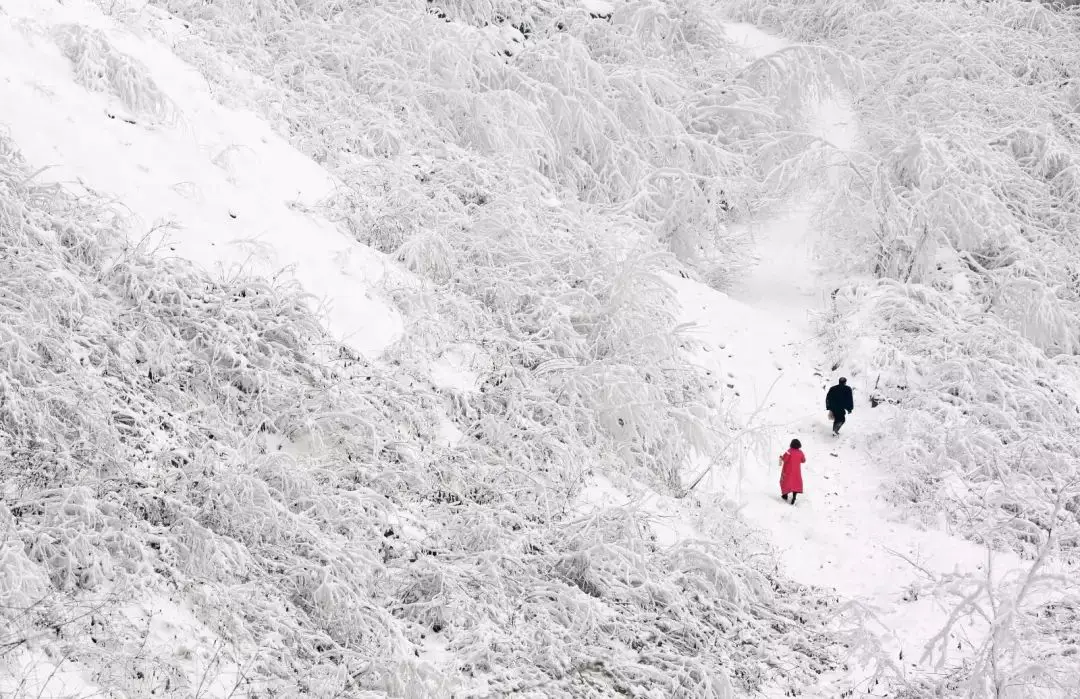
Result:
[[839, 402]]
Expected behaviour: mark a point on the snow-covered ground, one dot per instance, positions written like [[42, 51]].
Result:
[[221, 189]]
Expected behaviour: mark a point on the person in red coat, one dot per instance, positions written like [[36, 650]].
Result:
[[791, 462]]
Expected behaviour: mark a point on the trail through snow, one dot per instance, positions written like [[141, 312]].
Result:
[[759, 342]]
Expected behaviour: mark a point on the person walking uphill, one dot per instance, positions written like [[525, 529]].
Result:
[[839, 401], [791, 462]]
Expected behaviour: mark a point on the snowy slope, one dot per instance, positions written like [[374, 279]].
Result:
[[391, 523], [205, 183], [421, 533]]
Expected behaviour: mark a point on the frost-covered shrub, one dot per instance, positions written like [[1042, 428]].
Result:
[[604, 110], [99, 66], [499, 146]]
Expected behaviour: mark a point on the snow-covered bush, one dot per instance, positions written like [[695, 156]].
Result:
[[504, 109], [1023, 646], [99, 66]]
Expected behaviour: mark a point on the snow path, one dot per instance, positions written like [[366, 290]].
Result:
[[759, 343]]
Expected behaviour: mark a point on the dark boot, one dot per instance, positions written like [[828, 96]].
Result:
[[784, 496], [792, 498]]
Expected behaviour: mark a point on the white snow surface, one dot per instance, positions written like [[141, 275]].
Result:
[[209, 184]]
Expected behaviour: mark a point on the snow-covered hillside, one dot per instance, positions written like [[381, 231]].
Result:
[[375, 349], [211, 491]]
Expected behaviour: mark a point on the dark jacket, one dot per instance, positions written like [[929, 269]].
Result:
[[839, 399]]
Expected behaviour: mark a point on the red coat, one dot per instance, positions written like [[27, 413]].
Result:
[[791, 471]]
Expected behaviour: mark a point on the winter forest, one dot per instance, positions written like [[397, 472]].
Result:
[[447, 348]]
